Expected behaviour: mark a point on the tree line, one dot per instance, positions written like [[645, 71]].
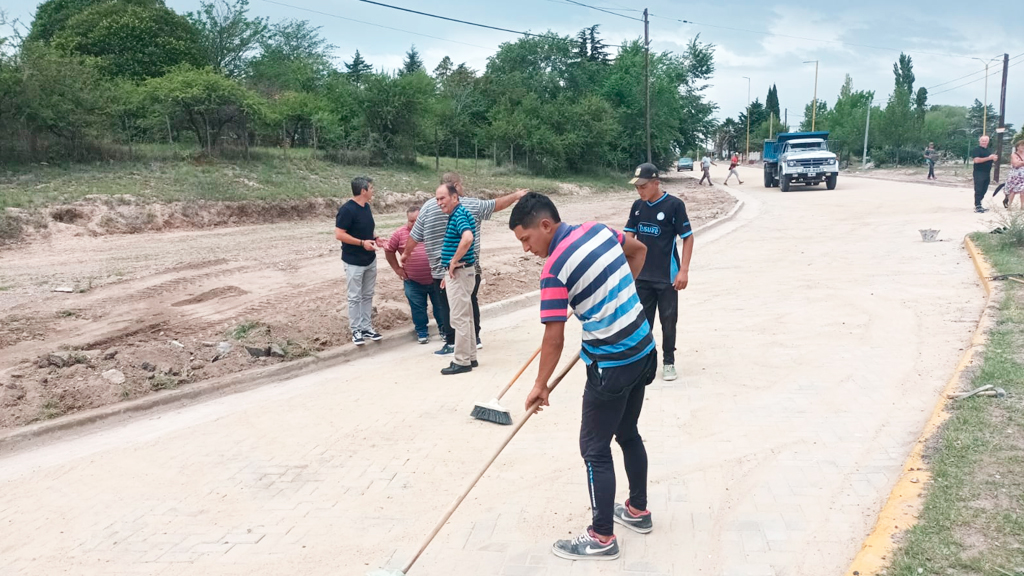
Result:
[[899, 129], [91, 79]]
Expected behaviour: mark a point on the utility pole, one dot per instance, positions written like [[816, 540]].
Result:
[[1002, 117], [771, 125], [746, 157], [984, 105], [786, 121], [867, 127], [647, 80], [814, 103]]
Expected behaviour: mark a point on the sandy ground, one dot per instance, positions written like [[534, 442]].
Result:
[[154, 306], [815, 336]]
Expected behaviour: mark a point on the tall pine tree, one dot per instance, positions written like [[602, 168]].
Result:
[[413, 63], [771, 102], [358, 69]]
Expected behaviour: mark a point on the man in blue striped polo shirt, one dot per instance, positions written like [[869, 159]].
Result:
[[458, 258], [591, 268]]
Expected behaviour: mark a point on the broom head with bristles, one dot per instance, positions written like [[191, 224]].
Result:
[[492, 411]]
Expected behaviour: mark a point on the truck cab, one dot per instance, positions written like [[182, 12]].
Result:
[[799, 158]]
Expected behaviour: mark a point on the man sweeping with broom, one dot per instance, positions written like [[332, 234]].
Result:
[[591, 268]]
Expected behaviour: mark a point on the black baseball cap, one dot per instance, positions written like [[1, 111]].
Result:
[[644, 172]]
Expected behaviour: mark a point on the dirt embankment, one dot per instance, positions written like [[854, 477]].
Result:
[[89, 318]]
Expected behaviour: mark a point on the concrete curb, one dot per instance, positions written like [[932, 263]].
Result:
[[907, 497], [256, 377]]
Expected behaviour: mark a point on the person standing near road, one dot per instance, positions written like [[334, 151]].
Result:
[[656, 220], [590, 268], [706, 164], [983, 160], [733, 163], [458, 259], [416, 277], [1015, 179], [929, 157], [353, 227], [430, 229]]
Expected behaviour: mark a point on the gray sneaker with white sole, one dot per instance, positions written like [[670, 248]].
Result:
[[586, 546], [642, 523]]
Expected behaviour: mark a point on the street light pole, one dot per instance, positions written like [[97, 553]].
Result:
[[984, 105], [746, 156], [814, 105]]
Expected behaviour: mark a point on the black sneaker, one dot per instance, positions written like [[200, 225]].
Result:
[[445, 350], [479, 344], [586, 546], [372, 335], [474, 364], [980, 210], [642, 523], [422, 339], [357, 339], [454, 368]]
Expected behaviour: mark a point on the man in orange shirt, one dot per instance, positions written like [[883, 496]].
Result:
[[733, 162]]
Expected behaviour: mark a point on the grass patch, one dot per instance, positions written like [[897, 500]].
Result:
[[163, 382], [972, 522], [246, 328], [6, 288], [67, 314], [50, 409], [162, 173]]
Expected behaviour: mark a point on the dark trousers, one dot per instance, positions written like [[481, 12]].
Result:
[[442, 312], [707, 174], [612, 400], [417, 294], [449, 336], [662, 299], [981, 182], [931, 168]]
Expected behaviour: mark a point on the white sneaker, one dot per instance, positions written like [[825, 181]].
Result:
[[668, 373]]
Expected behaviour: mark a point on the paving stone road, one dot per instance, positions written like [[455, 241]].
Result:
[[815, 336]]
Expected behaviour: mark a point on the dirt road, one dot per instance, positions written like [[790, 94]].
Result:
[[815, 336], [145, 304]]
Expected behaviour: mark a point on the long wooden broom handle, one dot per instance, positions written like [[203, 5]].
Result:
[[523, 369], [518, 374], [465, 492]]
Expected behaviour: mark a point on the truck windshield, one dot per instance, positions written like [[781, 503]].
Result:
[[804, 146]]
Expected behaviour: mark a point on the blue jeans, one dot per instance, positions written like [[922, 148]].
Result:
[[417, 295]]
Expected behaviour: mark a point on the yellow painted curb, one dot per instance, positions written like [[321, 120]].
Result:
[[905, 501]]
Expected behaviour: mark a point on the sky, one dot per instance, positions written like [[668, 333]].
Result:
[[765, 41]]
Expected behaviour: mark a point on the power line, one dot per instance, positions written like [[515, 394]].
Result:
[[606, 11], [969, 82], [374, 24], [969, 75], [468, 23], [887, 49]]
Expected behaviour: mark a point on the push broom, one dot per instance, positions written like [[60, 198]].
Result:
[[465, 492], [493, 411]]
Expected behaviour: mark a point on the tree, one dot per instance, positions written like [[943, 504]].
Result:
[[443, 70], [131, 41], [847, 119], [412, 63], [903, 116], [52, 15], [207, 101], [395, 107], [771, 102], [227, 35], [294, 57], [358, 69]]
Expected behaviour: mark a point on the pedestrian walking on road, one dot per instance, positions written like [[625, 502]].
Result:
[[430, 229], [706, 164], [733, 163], [353, 227], [416, 277], [657, 219], [983, 160], [591, 268], [1015, 179], [929, 158], [458, 259]]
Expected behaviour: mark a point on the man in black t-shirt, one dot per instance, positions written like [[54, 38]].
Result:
[[658, 219], [982, 171], [353, 227]]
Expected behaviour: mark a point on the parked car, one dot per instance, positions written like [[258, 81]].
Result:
[[684, 164]]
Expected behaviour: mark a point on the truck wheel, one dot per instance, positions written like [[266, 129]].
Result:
[[767, 178], [830, 182], [784, 182]]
